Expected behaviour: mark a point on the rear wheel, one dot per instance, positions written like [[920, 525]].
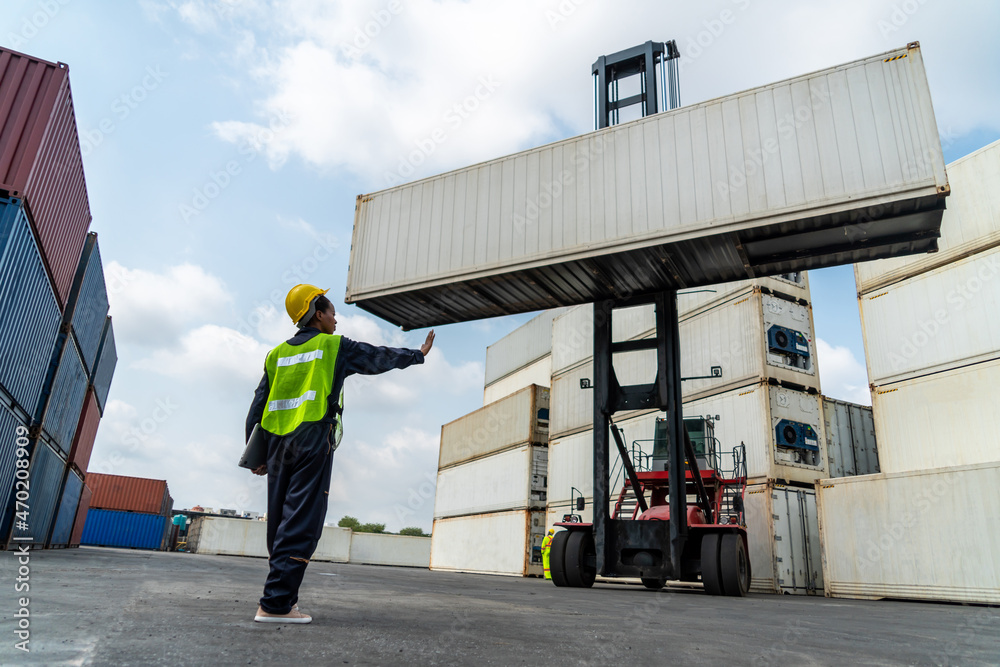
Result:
[[579, 546], [735, 565], [653, 583], [557, 558], [710, 574]]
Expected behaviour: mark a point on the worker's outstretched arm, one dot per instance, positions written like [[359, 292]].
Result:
[[365, 359]]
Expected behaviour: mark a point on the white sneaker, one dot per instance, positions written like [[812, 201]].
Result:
[[294, 616]]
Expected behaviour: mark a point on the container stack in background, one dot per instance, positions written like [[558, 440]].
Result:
[[55, 362], [128, 512], [489, 505], [931, 325]]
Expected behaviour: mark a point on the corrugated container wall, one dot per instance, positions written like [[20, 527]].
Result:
[[394, 550], [130, 530], [519, 419], [81, 516], [923, 535], [850, 438], [935, 321], [40, 159], [106, 362], [539, 372], [526, 344], [30, 314], [971, 224], [47, 472], [131, 494], [62, 528], [87, 309], [13, 428], [86, 432], [513, 479], [783, 537], [939, 420], [65, 400], [666, 201], [506, 543]]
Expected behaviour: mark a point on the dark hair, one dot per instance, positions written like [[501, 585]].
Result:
[[321, 303]]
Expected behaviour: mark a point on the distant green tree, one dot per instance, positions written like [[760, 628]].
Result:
[[370, 528], [349, 522], [414, 531]]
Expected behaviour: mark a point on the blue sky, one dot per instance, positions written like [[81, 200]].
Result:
[[225, 143]]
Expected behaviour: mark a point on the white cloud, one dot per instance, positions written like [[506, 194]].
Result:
[[211, 355], [841, 374], [154, 308]]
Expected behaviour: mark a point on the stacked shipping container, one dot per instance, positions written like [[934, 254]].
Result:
[[489, 506], [53, 304], [128, 512], [932, 341]]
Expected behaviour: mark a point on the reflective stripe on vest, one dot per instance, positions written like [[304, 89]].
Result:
[[300, 379]]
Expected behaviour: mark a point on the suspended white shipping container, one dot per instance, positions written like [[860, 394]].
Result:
[[922, 535], [512, 479], [518, 419], [539, 372], [935, 321], [523, 346], [384, 549], [971, 224], [833, 167], [934, 421], [783, 539], [752, 337], [507, 543], [850, 438]]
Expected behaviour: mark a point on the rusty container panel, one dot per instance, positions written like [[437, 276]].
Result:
[[128, 494], [86, 432], [40, 159], [81, 516]]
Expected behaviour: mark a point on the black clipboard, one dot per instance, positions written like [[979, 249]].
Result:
[[255, 454]]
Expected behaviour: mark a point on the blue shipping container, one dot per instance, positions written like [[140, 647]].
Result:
[[62, 528], [29, 313], [13, 427], [45, 479], [106, 362], [110, 528], [65, 398], [87, 306]]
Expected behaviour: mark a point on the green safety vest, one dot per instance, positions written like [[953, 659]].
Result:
[[301, 379]]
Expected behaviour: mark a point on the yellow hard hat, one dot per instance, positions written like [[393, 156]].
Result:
[[552, 531], [299, 299]]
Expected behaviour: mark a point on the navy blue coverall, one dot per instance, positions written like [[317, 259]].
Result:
[[299, 467]]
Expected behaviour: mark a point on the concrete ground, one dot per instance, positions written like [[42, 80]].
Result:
[[94, 606]]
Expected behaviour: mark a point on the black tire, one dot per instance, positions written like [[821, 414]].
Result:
[[710, 573], [579, 545], [735, 565], [557, 558], [653, 583]]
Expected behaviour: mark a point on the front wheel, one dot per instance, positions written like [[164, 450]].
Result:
[[734, 565], [580, 549], [557, 558]]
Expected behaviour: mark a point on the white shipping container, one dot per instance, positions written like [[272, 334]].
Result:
[[783, 537], [573, 331], [512, 479], [759, 416], [935, 321], [666, 200], [940, 420], [971, 223], [507, 543], [397, 550], [521, 347], [850, 438], [539, 372], [518, 419], [922, 535], [740, 335], [242, 537]]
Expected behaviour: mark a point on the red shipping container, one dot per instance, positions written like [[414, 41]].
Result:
[[86, 432], [41, 160], [129, 494], [81, 516]]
